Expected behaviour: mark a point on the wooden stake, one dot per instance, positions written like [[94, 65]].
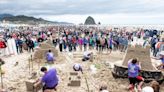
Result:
[[39, 66], [86, 82], [1, 77], [29, 65], [31, 62], [38, 63]]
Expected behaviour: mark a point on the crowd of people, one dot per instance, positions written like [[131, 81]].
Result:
[[73, 38]]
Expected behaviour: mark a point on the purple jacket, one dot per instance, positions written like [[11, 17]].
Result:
[[133, 70]]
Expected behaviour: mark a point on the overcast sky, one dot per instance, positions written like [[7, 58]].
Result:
[[76, 11]]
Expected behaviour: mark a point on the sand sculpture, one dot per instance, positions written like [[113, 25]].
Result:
[[41, 52], [143, 54]]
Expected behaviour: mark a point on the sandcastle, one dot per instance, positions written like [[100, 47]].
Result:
[[39, 54], [143, 55], [43, 49]]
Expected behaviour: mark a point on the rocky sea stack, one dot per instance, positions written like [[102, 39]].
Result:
[[89, 21]]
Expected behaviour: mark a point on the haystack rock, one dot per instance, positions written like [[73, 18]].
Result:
[[89, 21]]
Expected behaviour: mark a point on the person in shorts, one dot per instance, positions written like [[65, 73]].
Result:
[[133, 74]]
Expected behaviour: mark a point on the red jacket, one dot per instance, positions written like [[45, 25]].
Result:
[[2, 44], [74, 40]]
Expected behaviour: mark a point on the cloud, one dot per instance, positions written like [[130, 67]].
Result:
[[109, 18], [118, 9], [4, 2], [59, 7]]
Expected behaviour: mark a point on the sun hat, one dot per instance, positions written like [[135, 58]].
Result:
[[147, 89]]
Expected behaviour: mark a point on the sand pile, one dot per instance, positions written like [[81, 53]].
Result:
[[16, 74], [102, 74], [49, 42], [43, 49], [45, 46], [142, 54]]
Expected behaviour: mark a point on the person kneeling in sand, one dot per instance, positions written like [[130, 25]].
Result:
[[50, 57], [49, 79], [78, 67], [87, 55]]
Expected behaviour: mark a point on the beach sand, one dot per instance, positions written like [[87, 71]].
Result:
[[16, 74]]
